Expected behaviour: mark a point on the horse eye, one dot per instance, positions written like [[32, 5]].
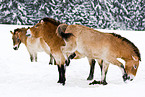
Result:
[[135, 67]]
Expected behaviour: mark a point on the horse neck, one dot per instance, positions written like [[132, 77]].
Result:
[[126, 50], [23, 37]]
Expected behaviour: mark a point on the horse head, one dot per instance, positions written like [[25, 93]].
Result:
[[131, 67], [16, 39]]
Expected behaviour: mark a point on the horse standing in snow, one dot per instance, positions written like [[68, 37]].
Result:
[[97, 45], [46, 29], [33, 45]]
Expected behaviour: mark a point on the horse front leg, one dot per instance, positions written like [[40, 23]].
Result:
[[92, 66], [61, 70], [32, 57], [60, 60], [104, 68], [121, 66], [35, 57]]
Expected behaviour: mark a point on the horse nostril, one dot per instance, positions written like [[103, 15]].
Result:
[[126, 77], [15, 48]]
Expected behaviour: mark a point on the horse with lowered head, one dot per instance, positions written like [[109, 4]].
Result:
[[98, 45], [46, 29]]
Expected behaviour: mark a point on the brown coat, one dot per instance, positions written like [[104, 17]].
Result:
[[98, 45]]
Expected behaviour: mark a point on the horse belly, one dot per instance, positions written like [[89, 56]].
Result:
[[33, 44], [85, 50], [94, 50], [44, 46]]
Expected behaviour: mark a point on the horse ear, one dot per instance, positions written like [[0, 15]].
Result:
[[135, 58], [28, 28], [41, 21], [11, 32]]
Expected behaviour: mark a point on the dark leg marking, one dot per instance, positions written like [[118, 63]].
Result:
[[35, 57], [54, 62], [98, 82], [92, 66], [67, 62], [101, 66], [31, 58], [125, 76], [61, 71], [51, 59], [103, 82]]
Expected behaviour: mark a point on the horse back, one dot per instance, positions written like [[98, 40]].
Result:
[[94, 43]]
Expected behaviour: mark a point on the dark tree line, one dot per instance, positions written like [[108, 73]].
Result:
[[103, 14]]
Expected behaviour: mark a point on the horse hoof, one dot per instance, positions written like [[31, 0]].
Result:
[[61, 82], [50, 63], [95, 82], [67, 62], [104, 83], [98, 82], [89, 78]]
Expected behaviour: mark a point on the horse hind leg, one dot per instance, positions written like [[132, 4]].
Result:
[[67, 62], [60, 60], [92, 66], [61, 70]]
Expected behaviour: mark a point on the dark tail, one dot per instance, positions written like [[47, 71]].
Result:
[[61, 32]]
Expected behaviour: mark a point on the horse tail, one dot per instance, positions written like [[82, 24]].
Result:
[[61, 31]]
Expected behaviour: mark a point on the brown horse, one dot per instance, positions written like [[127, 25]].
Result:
[[98, 45], [33, 45], [46, 29]]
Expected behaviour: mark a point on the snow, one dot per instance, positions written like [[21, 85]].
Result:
[[21, 78]]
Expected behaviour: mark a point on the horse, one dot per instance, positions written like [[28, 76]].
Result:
[[46, 29], [33, 45], [98, 45]]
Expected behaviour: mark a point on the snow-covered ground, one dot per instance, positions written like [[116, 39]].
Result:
[[21, 78]]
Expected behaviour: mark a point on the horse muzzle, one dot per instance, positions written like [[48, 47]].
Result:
[[15, 47], [127, 77]]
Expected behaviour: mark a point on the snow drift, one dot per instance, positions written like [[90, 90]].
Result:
[[21, 78]]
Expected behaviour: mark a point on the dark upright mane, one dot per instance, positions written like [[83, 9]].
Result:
[[16, 30], [130, 43], [19, 29], [53, 21]]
